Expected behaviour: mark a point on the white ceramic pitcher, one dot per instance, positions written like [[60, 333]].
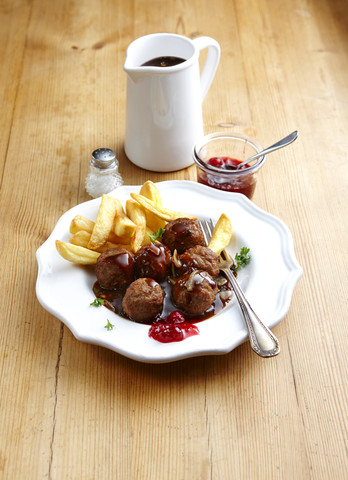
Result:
[[164, 104]]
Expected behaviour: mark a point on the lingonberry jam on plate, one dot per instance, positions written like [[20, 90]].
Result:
[[173, 328]]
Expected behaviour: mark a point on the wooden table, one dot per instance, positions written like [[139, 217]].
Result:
[[71, 410]]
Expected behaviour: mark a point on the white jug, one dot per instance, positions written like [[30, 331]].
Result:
[[164, 103]]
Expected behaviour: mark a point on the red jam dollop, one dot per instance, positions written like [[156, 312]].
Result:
[[173, 328], [242, 184], [226, 163]]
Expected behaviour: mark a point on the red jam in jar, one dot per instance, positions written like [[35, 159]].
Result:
[[240, 183], [226, 163]]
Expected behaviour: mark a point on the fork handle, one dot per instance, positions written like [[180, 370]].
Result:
[[262, 340]]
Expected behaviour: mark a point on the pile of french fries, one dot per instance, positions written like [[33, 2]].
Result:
[[129, 227]]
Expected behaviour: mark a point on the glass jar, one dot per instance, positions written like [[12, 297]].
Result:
[[216, 157]]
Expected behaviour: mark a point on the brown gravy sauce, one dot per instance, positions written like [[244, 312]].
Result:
[[113, 301]]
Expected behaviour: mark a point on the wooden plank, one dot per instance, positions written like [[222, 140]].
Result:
[[15, 17]]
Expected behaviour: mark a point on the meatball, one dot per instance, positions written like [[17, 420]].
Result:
[[153, 261], [195, 291], [143, 300], [182, 233], [199, 258], [115, 268]]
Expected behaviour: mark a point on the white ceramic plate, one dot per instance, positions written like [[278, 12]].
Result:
[[65, 289]]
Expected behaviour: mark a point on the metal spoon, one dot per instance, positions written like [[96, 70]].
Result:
[[282, 143]]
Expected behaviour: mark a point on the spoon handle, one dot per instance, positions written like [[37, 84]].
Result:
[[282, 143]]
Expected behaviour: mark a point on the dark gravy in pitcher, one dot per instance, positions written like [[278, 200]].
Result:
[[163, 62]]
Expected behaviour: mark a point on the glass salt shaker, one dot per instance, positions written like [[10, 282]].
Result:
[[103, 176]]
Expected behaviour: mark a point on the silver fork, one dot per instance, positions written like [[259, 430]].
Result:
[[262, 340]]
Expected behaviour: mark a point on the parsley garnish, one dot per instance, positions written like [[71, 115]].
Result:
[[97, 302], [242, 259], [109, 326], [157, 235]]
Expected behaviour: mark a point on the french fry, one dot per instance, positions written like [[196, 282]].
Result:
[[104, 223], [79, 222], [113, 238], [161, 212], [137, 239], [123, 226], [115, 226], [83, 224], [81, 239], [137, 214], [221, 235], [151, 192], [76, 254]]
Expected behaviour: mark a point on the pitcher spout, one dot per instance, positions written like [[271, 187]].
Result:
[[132, 64], [133, 71]]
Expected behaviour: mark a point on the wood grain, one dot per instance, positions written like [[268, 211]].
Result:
[[76, 411]]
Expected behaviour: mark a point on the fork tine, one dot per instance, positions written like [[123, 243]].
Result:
[[210, 227], [205, 230]]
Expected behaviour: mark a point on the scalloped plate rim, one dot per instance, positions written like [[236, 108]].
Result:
[[191, 347]]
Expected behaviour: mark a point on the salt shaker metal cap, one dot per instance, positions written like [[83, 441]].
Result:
[[104, 158]]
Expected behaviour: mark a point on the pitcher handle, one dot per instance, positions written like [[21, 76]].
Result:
[[211, 63]]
